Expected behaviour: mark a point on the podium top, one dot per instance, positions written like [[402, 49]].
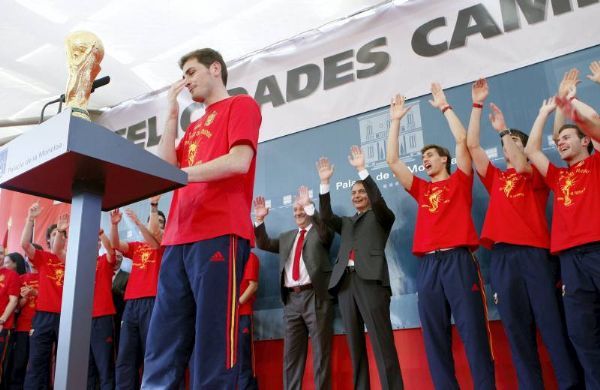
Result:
[[67, 154]]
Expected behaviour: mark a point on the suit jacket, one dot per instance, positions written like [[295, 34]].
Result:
[[366, 233], [315, 253]]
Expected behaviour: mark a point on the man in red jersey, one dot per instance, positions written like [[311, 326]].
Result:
[[10, 285], [101, 362], [448, 280], [209, 233], [27, 304], [575, 235], [51, 269], [516, 231], [140, 292], [248, 289]]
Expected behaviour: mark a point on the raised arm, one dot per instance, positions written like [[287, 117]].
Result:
[[516, 156], [397, 111], [325, 233], [325, 170], [565, 90], [479, 92], [166, 146], [263, 241], [58, 244], [584, 116], [534, 145], [384, 216], [27, 234], [594, 72], [148, 237], [115, 241], [110, 252], [463, 158]]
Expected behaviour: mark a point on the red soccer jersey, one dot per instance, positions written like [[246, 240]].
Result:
[[250, 274], [517, 210], [103, 301], [201, 211], [143, 279], [444, 214], [51, 270], [10, 284], [28, 310], [576, 219]]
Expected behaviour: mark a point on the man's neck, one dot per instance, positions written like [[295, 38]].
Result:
[[577, 159], [216, 96], [440, 176]]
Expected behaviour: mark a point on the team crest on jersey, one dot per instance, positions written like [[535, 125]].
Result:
[[567, 183], [210, 118], [144, 255], [510, 183], [57, 273], [435, 197]]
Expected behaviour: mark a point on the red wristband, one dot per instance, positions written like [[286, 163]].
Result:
[[477, 105], [448, 107]]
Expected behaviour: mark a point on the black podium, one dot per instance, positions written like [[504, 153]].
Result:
[[78, 162]]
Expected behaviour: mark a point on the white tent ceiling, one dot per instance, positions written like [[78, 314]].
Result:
[[143, 39]]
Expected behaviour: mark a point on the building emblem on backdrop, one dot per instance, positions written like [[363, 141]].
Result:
[[374, 128]]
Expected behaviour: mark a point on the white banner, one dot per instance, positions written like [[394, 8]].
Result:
[[357, 64]]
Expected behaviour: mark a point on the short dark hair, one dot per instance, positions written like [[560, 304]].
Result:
[[160, 214], [361, 182], [49, 233], [524, 137], [580, 134], [206, 57], [442, 151], [18, 259]]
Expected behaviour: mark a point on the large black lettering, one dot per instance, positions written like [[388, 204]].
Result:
[[267, 91], [484, 25], [237, 91], [534, 11], [153, 137], [379, 59], [294, 90], [333, 69], [186, 116], [420, 41], [135, 133]]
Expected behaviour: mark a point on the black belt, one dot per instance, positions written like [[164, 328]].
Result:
[[297, 289]]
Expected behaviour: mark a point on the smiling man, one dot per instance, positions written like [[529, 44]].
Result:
[[575, 234], [448, 279], [360, 275], [304, 272], [209, 232]]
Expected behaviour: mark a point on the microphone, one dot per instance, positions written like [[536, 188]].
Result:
[[101, 82]]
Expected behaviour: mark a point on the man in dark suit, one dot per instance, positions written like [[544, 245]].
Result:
[[304, 272], [360, 275]]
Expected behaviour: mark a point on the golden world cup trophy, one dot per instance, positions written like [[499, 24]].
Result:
[[84, 54]]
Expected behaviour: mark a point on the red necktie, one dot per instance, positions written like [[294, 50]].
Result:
[[351, 255], [296, 264]]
